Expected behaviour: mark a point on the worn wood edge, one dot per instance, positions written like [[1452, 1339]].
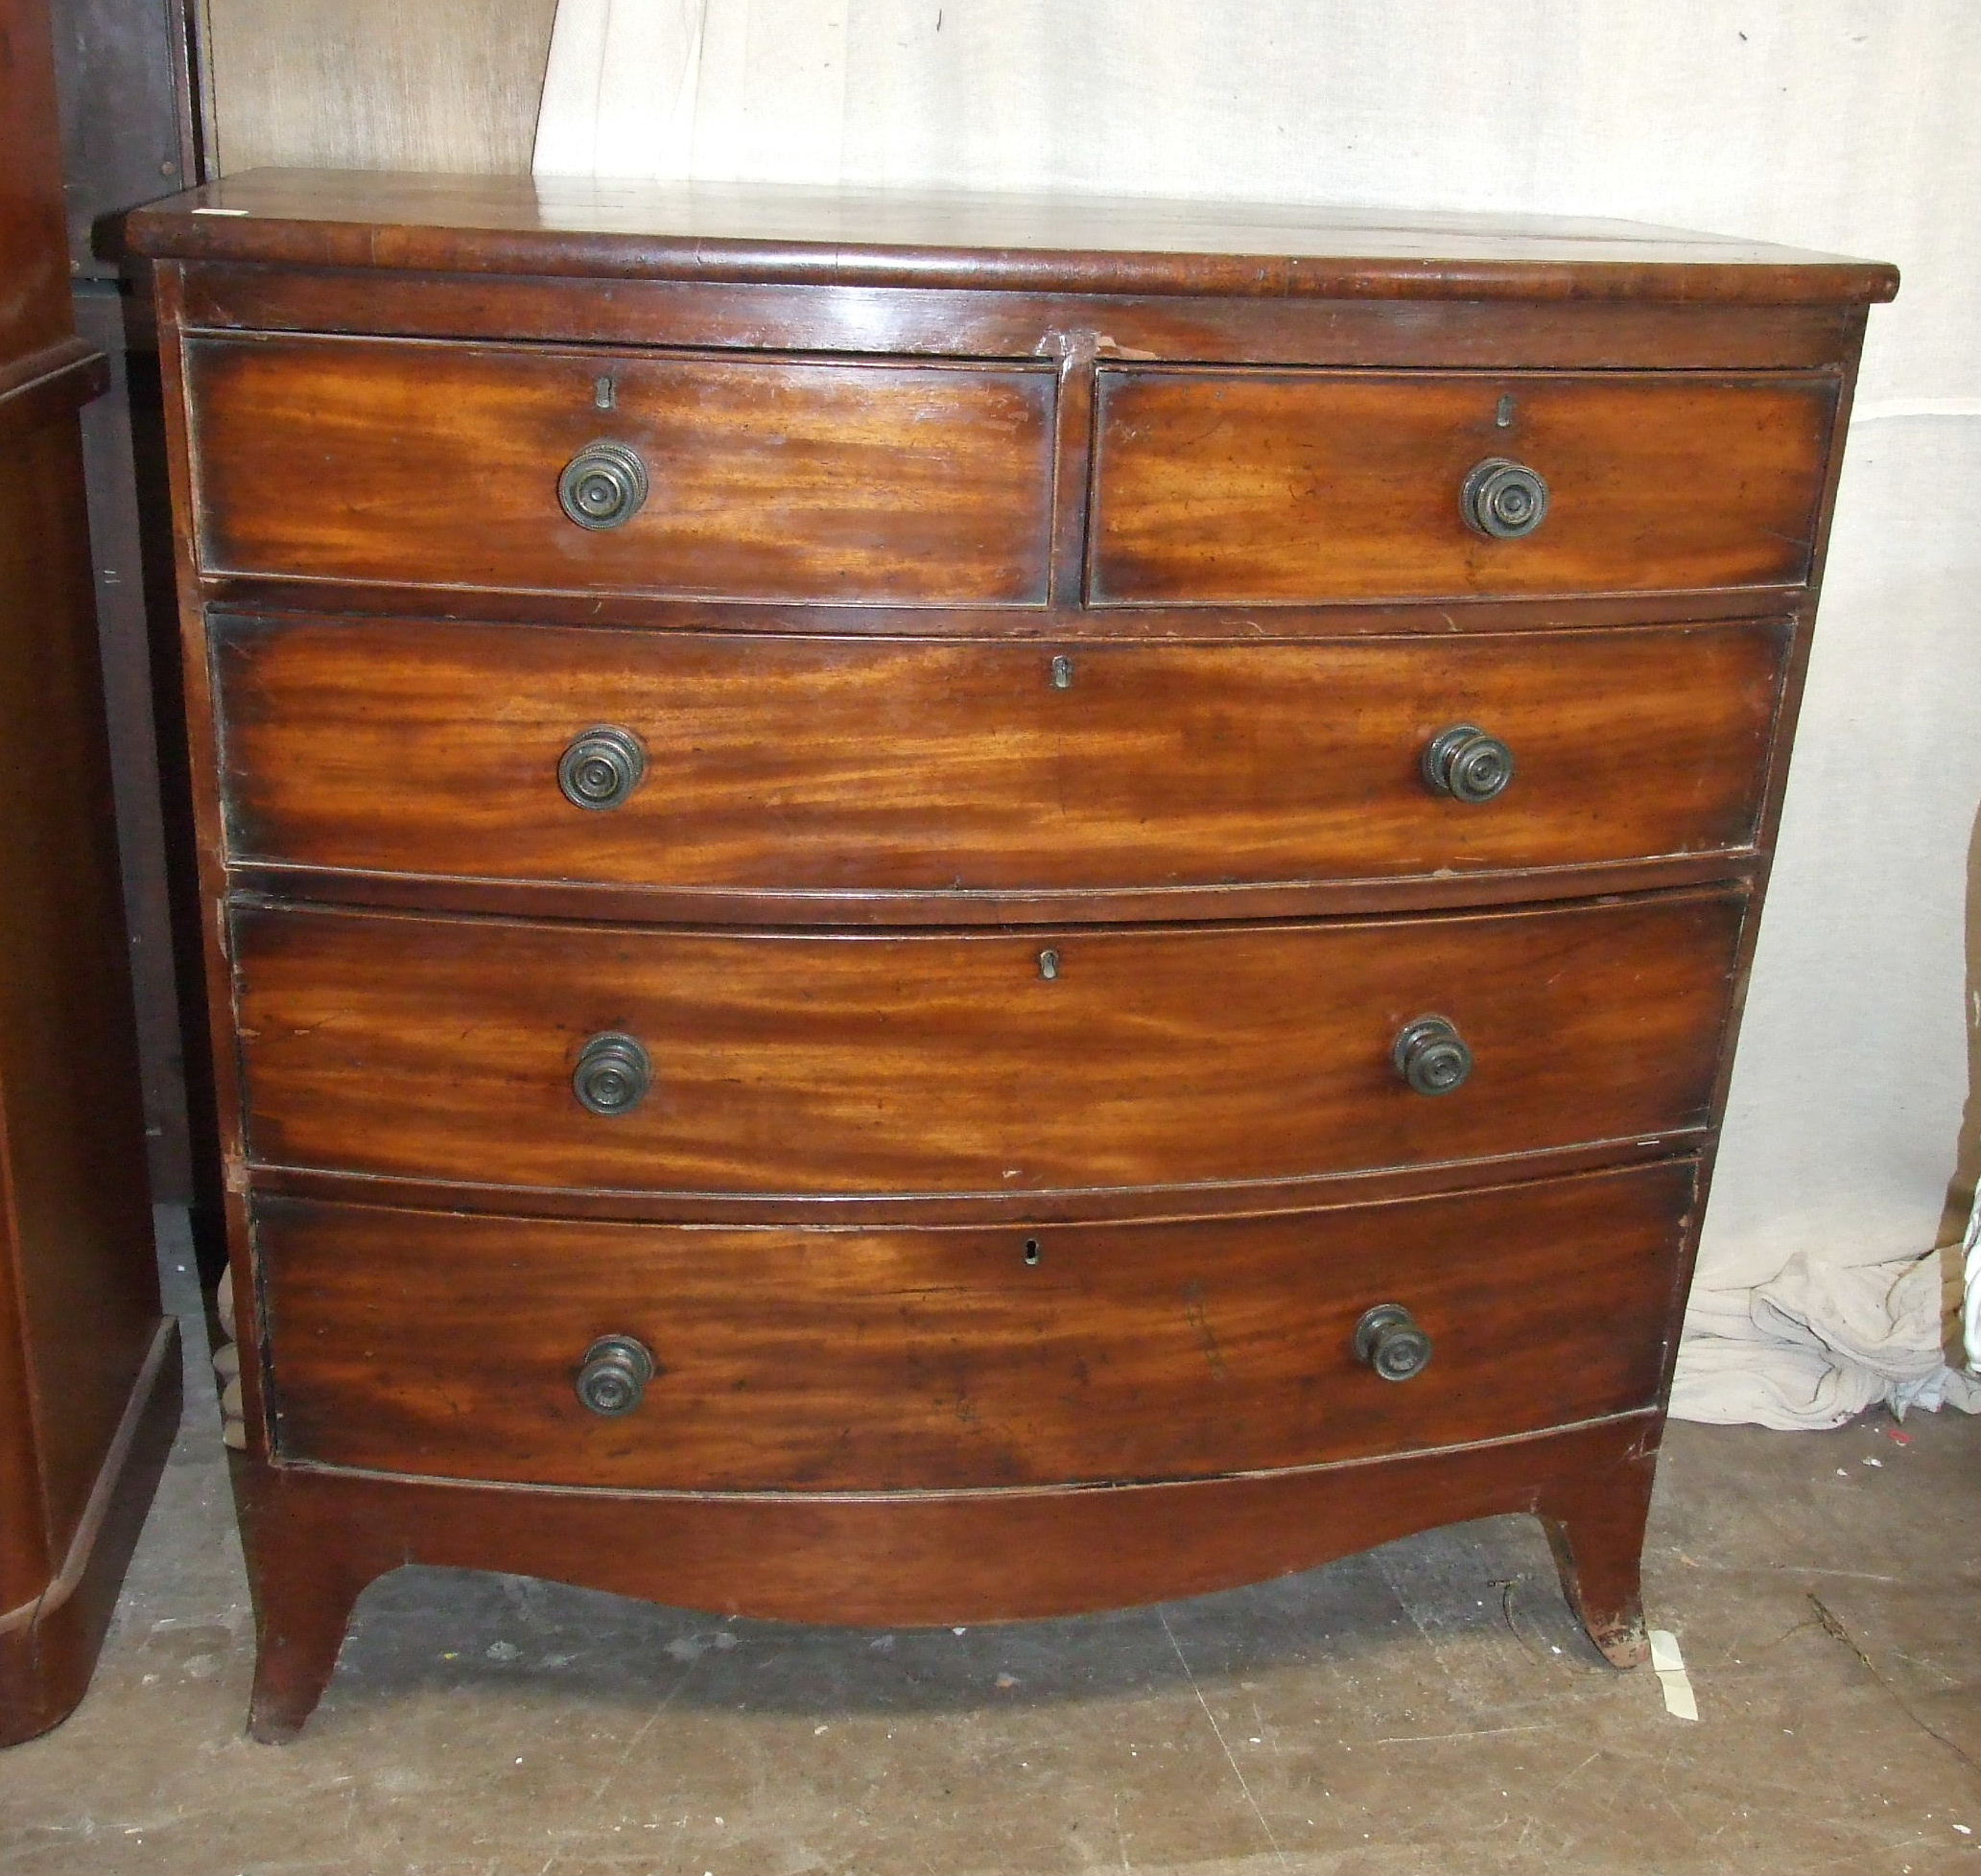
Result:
[[1513, 1176], [48, 1646], [1063, 1206], [258, 881], [1768, 597], [1720, 609], [218, 581], [49, 383], [56, 360], [1058, 1494], [228, 297], [238, 586], [1205, 624], [178, 230], [159, 1369], [203, 766], [1534, 906]]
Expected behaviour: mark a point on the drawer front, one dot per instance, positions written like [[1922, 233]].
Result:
[[1258, 486], [435, 464], [943, 1063], [857, 765], [431, 1342]]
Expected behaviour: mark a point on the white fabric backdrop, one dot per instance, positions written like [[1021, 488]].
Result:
[[1848, 125]]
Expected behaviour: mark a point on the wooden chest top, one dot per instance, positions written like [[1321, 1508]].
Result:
[[786, 234]]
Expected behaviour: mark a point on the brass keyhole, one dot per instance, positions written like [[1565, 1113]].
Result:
[[1049, 966], [1032, 1253]]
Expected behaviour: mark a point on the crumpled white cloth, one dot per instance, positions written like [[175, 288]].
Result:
[[1817, 1344], [1971, 1315]]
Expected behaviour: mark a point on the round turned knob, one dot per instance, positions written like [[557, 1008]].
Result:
[[1466, 764], [1432, 1055], [602, 485], [601, 767], [615, 1374], [613, 1074], [1388, 1340], [1503, 499]]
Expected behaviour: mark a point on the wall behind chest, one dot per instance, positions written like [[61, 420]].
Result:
[[374, 84]]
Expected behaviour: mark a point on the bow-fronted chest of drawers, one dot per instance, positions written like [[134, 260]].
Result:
[[938, 908]]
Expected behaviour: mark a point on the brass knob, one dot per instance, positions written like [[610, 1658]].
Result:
[[1388, 1340], [604, 485], [1466, 764], [614, 1377], [1503, 499], [601, 767], [613, 1074], [1432, 1055]]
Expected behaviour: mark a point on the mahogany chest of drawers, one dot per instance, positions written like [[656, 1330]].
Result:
[[937, 909]]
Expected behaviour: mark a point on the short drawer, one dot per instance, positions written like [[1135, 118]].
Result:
[[879, 1360], [457, 1048], [1255, 486], [421, 464], [857, 765]]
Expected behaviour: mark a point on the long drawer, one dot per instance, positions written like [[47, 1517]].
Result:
[[852, 765], [1250, 486], [468, 1050], [758, 478], [796, 1359]]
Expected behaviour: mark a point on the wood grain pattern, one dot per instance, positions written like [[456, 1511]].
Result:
[[315, 1538], [1259, 487], [831, 1360], [358, 461], [1504, 334], [883, 1063], [790, 234], [843, 767]]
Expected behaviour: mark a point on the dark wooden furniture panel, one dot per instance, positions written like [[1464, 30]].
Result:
[[832, 1360], [344, 459], [1259, 488], [920, 1062], [88, 1365], [854, 767], [130, 130]]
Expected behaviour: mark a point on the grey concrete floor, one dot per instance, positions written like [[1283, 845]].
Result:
[[1427, 1707]]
